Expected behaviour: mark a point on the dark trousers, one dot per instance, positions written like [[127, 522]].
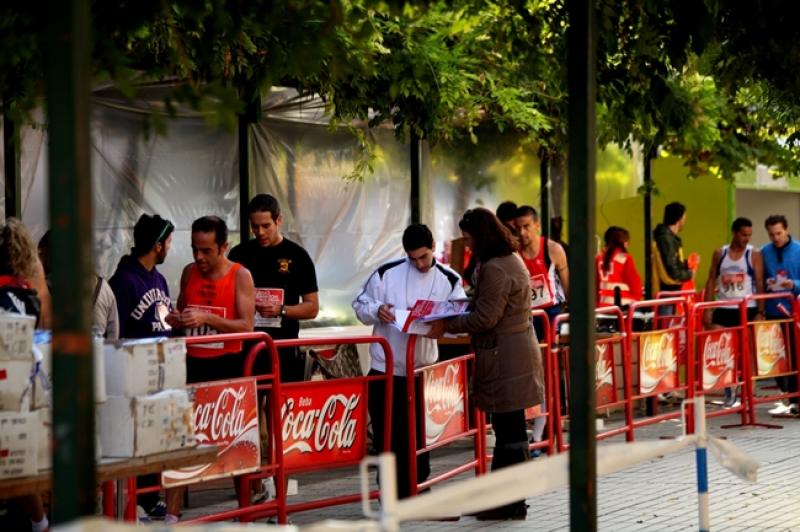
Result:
[[511, 441], [399, 441]]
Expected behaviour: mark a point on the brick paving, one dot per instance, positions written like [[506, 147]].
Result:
[[659, 495]]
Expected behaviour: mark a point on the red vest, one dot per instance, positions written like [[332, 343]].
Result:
[[539, 273], [217, 296], [607, 281]]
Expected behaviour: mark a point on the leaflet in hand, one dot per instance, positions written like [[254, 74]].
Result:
[[268, 296], [415, 321]]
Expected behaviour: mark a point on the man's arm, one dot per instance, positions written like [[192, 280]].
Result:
[[559, 258], [173, 319], [711, 287], [307, 309], [369, 304], [711, 282], [670, 257]]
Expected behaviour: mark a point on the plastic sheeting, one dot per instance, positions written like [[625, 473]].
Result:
[[348, 228]]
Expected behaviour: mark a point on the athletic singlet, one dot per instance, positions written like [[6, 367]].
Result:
[[735, 278], [545, 286], [218, 297]]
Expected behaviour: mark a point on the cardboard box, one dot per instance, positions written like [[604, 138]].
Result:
[[44, 453], [16, 336], [15, 385], [148, 424], [19, 437], [141, 367], [42, 389]]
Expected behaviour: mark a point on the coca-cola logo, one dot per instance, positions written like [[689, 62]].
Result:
[[770, 342], [719, 351], [658, 352], [223, 419], [444, 402], [309, 429], [603, 368], [443, 394]]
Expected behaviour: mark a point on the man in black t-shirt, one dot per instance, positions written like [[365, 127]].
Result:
[[285, 280]]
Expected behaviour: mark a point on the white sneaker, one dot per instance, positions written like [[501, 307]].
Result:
[[141, 515], [780, 408]]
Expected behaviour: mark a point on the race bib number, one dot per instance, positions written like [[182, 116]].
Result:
[[732, 284], [542, 293], [205, 330]]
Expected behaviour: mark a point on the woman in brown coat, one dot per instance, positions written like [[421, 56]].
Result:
[[508, 364]]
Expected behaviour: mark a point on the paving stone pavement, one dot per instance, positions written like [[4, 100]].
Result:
[[659, 495]]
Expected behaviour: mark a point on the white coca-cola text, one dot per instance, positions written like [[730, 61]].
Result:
[[223, 419], [443, 394], [770, 341], [658, 352], [327, 428], [602, 369], [718, 351]]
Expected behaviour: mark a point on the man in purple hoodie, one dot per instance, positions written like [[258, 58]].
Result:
[[141, 291], [143, 303]]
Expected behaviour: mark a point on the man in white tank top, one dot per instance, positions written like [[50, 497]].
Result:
[[736, 271]]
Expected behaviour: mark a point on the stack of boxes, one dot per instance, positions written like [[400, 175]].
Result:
[[148, 409], [141, 403], [20, 440]]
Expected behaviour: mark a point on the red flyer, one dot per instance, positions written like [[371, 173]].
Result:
[[268, 296]]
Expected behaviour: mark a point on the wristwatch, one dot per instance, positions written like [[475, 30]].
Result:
[[283, 311]]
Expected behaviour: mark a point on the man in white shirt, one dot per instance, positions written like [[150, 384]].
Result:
[[399, 284]]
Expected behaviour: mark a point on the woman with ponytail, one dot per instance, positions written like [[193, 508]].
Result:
[[617, 281]]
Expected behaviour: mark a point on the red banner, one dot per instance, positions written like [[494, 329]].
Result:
[[444, 398], [719, 350], [225, 414], [771, 356], [604, 374], [323, 422], [658, 362]]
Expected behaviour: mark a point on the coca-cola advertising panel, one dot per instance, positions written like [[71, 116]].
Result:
[[323, 422], [225, 414], [444, 399], [719, 350], [658, 362], [771, 356], [604, 374]]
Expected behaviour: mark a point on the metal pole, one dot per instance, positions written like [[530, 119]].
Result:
[[544, 192], [648, 223], [581, 59], [701, 458], [416, 171], [67, 47]]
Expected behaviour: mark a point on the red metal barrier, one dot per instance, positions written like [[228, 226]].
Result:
[[659, 356], [606, 378], [772, 353], [444, 408], [719, 358], [549, 365], [287, 423]]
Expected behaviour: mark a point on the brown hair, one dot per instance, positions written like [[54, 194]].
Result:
[[17, 251], [490, 237], [615, 239]]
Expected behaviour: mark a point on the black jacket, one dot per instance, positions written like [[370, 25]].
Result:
[[669, 247]]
